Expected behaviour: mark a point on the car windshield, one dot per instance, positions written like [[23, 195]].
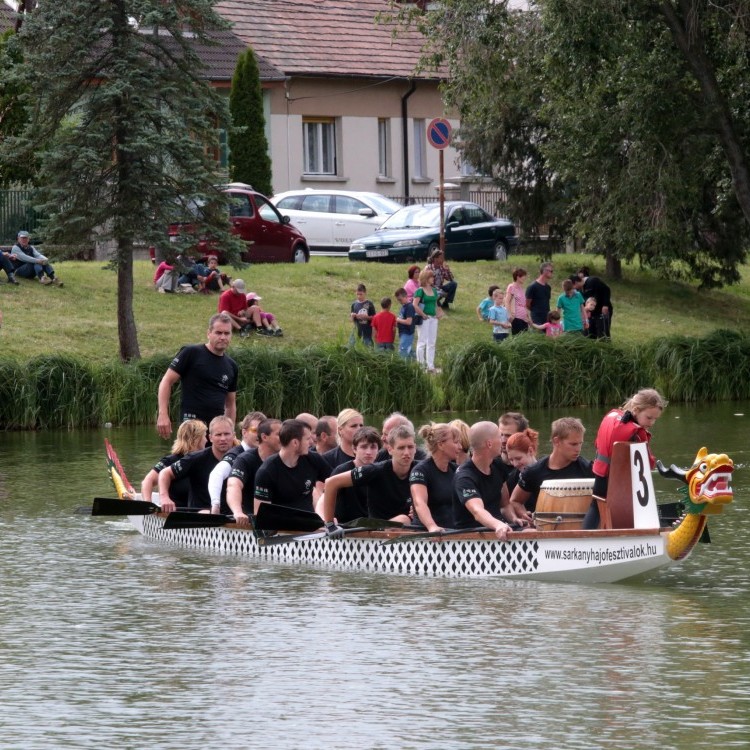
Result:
[[382, 204], [413, 217]]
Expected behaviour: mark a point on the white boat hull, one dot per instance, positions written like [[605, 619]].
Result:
[[582, 557]]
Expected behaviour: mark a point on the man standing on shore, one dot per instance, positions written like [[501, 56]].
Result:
[[538, 295], [208, 376]]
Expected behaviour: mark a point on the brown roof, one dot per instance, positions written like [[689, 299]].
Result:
[[329, 37]]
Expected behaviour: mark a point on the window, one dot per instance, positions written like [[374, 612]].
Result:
[[266, 209], [345, 204], [240, 205], [384, 147], [420, 149], [317, 203], [319, 146]]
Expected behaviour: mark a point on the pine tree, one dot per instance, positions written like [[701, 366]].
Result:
[[248, 147], [123, 125]]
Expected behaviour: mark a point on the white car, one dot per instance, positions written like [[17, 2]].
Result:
[[332, 219]]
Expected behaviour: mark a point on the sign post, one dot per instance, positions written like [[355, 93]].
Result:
[[439, 136]]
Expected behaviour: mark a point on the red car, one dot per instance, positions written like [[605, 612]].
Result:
[[269, 236]]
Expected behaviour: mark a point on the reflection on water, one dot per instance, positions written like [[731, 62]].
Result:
[[108, 638]]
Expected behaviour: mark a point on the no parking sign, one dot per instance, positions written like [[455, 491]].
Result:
[[439, 133]]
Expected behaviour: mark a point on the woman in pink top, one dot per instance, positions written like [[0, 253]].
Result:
[[412, 284], [515, 302]]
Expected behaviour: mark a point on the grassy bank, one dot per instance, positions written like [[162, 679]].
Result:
[[58, 362]]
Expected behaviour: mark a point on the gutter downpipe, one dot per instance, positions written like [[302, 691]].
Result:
[[405, 136]]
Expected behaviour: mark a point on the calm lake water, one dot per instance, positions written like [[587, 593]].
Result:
[[108, 639]]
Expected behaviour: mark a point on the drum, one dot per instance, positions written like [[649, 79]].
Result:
[[562, 504]]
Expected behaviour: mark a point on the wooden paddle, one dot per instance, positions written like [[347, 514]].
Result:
[[432, 534]]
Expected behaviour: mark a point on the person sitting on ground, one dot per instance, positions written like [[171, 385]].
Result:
[[497, 316], [217, 481], [7, 265], [325, 434], [484, 306], [351, 502], [293, 477], [384, 325], [268, 326], [564, 462], [406, 323], [29, 262], [240, 495], [165, 278], [387, 482], [347, 423], [197, 467], [521, 451], [479, 494], [191, 436], [210, 277], [361, 314], [432, 479], [510, 423], [233, 302], [445, 282], [552, 327]]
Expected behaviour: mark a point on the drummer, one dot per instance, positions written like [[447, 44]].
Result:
[[565, 462]]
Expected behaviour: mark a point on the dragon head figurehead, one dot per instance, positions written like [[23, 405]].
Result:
[[709, 482]]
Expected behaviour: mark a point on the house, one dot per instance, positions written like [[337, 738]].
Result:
[[350, 112]]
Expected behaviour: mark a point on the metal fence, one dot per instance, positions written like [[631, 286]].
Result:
[[16, 213]]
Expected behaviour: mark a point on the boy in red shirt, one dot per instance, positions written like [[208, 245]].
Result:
[[384, 326]]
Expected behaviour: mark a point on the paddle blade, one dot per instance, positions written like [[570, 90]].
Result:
[[107, 506], [188, 520], [373, 523], [271, 516]]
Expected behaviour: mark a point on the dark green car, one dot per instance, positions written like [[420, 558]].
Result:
[[412, 233]]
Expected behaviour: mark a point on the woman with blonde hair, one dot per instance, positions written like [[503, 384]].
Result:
[[191, 436], [463, 430], [431, 480], [347, 423]]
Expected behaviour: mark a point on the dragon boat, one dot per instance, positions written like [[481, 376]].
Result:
[[631, 544]]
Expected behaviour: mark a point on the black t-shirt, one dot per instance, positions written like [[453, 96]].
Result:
[[387, 494], [197, 467], [179, 490], [532, 476], [275, 482], [469, 482], [206, 379], [336, 456], [540, 295], [244, 468], [593, 286], [439, 486], [351, 502], [364, 328]]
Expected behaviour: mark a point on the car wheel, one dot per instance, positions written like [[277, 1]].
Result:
[[300, 254], [501, 251]]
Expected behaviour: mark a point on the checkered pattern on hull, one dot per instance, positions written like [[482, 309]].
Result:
[[450, 559]]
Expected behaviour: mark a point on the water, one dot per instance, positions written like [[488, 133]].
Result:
[[108, 639]]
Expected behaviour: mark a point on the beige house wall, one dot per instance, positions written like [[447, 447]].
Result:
[[356, 106]]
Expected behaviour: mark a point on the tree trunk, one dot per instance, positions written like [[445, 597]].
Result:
[[613, 267], [687, 36], [126, 329]]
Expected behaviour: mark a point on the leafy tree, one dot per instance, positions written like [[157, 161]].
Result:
[[123, 124], [632, 118], [248, 147]]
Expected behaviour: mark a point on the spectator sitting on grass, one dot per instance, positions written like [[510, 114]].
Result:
[[29, 262], [267, 325], [210, 277], [234, 303]]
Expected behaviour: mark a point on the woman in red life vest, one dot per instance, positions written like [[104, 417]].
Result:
[[630, 423]]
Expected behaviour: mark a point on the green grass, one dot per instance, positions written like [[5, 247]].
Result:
[[59, 362], [312, 304]]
